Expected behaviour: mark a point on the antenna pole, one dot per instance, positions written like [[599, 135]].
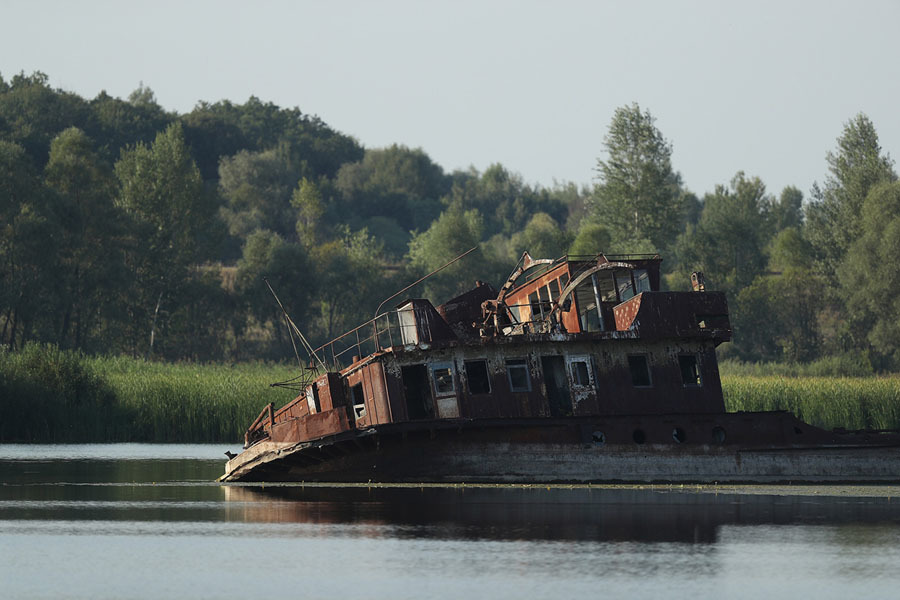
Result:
[[469, 251]]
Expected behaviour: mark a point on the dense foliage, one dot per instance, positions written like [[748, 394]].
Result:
[[127, 229]]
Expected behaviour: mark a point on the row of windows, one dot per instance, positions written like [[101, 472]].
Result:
[[519, 377]]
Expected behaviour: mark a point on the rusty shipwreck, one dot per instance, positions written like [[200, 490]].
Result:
[[578, 369]]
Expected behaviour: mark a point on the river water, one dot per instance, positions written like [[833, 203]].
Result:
[[149, 521]]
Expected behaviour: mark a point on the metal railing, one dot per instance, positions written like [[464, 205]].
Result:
[[384, 331]]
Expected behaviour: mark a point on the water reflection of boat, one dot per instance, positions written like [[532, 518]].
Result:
[[515, 513], [579, 369]]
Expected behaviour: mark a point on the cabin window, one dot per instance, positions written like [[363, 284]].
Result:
[[553, 286], [563, 281], [606, 286], [545, 300], [477, 377], [359, 401], [585, 299], [641, 281], [640, 370], [690, 371], [516, 313], [624, 285], [580, 367], [517, 373], [442, 376], [535, 303]]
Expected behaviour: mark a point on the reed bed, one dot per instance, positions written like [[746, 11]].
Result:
[[48, 395], [190, 402], [828, 402]]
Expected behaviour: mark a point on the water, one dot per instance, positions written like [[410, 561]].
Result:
[[149, 521]]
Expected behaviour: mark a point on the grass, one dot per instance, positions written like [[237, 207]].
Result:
[[48, 395], [190, 402], [828, 402]]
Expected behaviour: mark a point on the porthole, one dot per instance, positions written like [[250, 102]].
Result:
[[718, 435], [639, 436], [679, 435]]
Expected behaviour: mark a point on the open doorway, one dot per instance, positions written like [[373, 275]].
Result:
[[417, 389], [557, 384]]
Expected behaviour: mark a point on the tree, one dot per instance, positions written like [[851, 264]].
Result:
[[257, 187], [638, 195], [287, 267], [592, 238], [834, 214], [89, 244], [870, 276], [307, 201], [352, 282], [117, 124], [26, 257], [729, 241], [35, 113], [395, 182], [162, 195], [504, 200], [542, 237], [788, 210], [452, 234]]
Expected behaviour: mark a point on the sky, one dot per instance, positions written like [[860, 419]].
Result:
[[760, 87]]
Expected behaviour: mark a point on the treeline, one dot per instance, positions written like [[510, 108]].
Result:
[[127, 229]]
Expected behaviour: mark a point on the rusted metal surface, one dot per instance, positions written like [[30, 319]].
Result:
[[741, 447], [582, 371]]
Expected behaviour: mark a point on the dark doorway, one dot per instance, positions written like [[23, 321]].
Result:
[[557, 385], [417, 390]]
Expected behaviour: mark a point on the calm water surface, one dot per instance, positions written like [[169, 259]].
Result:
[[149, 521]]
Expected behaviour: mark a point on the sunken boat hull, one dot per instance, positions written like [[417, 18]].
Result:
[[583, 450], [576, 371]]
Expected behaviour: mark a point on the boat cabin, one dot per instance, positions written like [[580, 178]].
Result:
[[562, 338]]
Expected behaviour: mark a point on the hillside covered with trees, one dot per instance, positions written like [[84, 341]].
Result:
[[128, 229]]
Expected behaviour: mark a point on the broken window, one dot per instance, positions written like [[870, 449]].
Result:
[[545, 300], [640, 370], [580, 367], [606, 286], [535, 303], [641, 281], [553, 286], [518, 375], [359, 401], [477, 377], [587, 307], [690, 371], [442, 375], [624, 285]]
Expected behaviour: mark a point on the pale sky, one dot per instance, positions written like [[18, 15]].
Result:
[[762, 87]]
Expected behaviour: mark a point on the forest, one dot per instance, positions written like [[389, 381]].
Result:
[[126, 229]]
